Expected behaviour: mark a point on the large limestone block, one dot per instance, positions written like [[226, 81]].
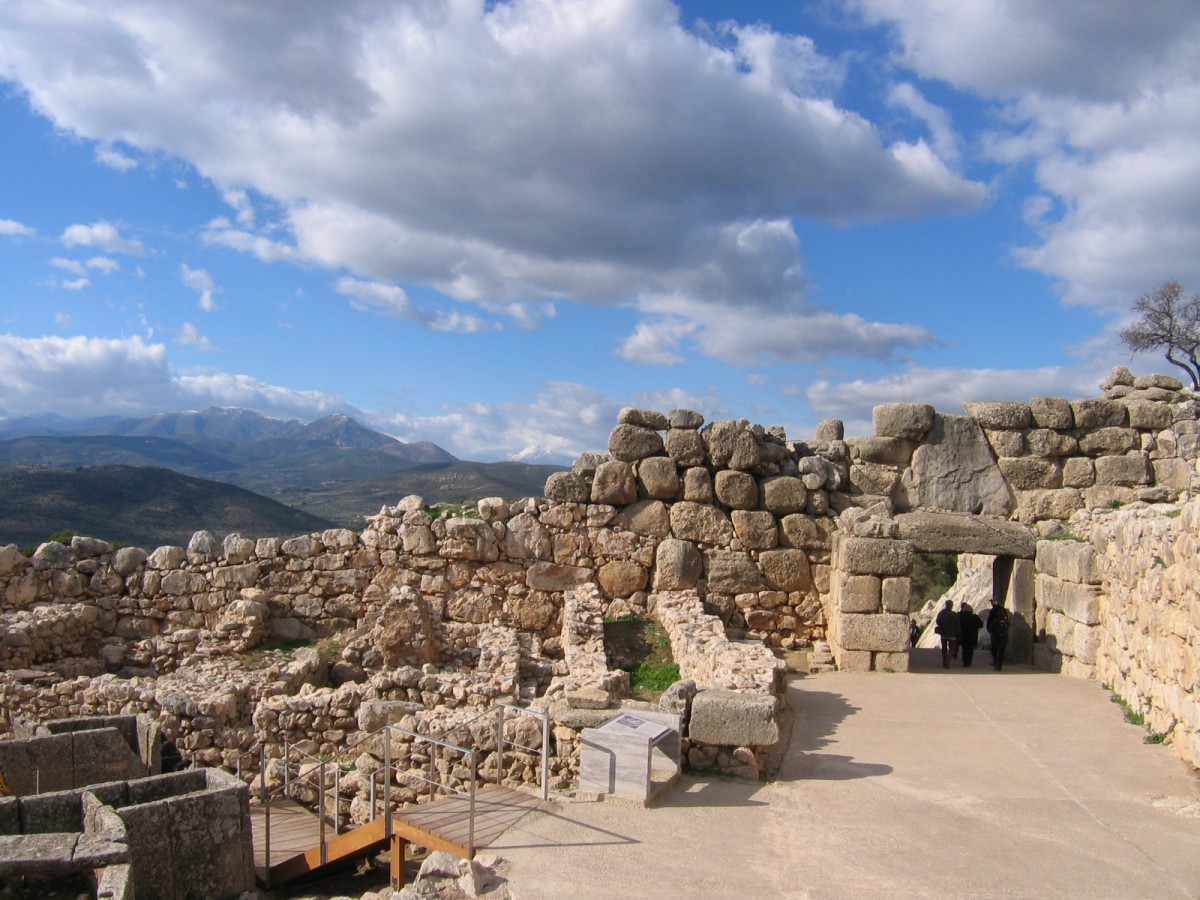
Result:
[[819, 470], [1050, 444], [860, 593], [1173, 473], [527, 538], [658, 477], [1126, 471], [731, 444], [614, 484], [1109, 441], [700, 523], [622, 577], [910, 421], [548, 576], [1079, 472], [1148, 416], [1166, 382], [1005, 443], [470, 539], [643, 418], [886, 632], [786, 570], [888, 451], [1068, 560], [1028, 473], [686, 447], [1081, 602], [52, 555], [630, 443], [125, 561], [874, 556], [896, 595], [732, 572], [784, 494], [1104, 496], [954, 471], [756, 529], [1052, 412], [648, 518], [1000, 415], [873, 479], [698, 485], [684, 418], [1090, 414], [806, 532], [678, 565], [736, 489], [734, 719]]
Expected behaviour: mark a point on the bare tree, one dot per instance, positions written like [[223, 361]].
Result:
[[1169, 321]]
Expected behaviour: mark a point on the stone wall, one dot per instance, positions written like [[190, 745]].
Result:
[[1119, 604]]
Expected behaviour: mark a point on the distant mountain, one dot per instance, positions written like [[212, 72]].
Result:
[[542, 456], [334, 468], [143, 507]]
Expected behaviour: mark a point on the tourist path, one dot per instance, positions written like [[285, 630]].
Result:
[[960, 783]]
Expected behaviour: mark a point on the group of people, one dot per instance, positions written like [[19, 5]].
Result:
[[960, 630]]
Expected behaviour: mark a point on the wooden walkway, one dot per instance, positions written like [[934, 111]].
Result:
[[443, 824]]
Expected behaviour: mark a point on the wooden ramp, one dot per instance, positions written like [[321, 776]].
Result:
[[444, 824]]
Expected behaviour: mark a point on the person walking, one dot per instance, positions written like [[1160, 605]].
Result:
[[998, 624], [948, 627], [968, 627]]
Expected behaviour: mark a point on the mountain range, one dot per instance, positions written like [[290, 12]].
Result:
[[334, 470]]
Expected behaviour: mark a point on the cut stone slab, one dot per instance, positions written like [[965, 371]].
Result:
[[732, 718], [933, 532]]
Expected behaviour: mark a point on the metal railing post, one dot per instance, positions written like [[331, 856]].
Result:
[[262, 786], [287, 769], [432, 771], [321, 812], [471, 820], [499, 745], [337, 801], [372, 790], [387, 781], [545, 757]]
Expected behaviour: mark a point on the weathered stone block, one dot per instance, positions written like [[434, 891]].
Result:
[[731, 718], [854, 661], [1031, 473], [875, 556], [684, 418], [860, 594], [630, 443], [1079, 472], [891, 662], [1125, 471], [1050, 444], [644, 418], [732, 444], [954, 470], [888, 451], [1000, 415], [546, 576], [933, 532], [1005, 443], [784, 494], [805, 532], [700, 523], [736, 489], [658, 477], [1148, 416], [756, 529], [697, 485], [873, 479], [731, 572], [1109, 441], [896, 594], [678, 565], [786, 570], [621, 578], [1052, 412], [885, 632], [566, 487], [910, 421], [614, 484], [1090, 414], [686, 447]]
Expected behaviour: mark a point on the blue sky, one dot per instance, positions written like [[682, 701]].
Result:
[[492, 225]]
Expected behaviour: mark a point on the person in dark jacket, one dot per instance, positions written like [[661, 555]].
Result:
[[968, 627], [947, 626], [998, 625]]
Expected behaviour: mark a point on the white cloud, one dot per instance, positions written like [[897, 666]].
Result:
[[390, 300], [105, 264], [941, 130], [68, 265], [11, 228], [202, 283], [63, 320], [86, 376], [114, 158], [75, 284], [103, 235], [500, 153], [1102, 100], [190, 336]]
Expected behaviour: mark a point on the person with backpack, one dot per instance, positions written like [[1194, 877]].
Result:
[[998, 625]]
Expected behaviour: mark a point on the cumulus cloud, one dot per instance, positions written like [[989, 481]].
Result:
[[113, 158], [103, 235], [390, 300], [88, 376], [11, 228], [499, 153], [1102, 101], [202, 283]]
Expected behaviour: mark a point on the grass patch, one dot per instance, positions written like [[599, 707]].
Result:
[[641, 648]]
